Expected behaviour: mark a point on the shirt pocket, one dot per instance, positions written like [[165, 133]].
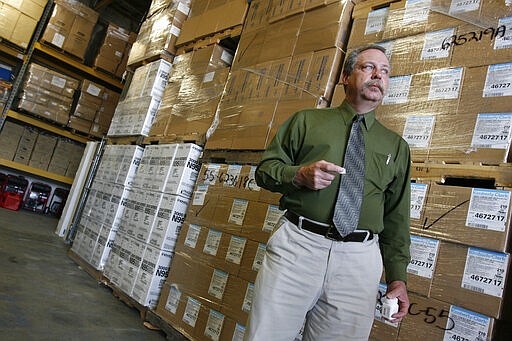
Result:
[[380, 170]]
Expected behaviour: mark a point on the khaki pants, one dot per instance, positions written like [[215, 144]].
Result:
[[333, 285]]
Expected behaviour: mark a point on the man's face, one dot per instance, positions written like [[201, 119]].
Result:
[[370, 78]]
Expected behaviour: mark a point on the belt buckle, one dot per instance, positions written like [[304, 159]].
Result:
[[333, 234]]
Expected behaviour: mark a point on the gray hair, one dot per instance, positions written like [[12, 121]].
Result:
[[350, 61]]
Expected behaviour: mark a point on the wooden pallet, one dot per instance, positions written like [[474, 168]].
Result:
[[126, 140], [129, 301], [250, 157], [153, 321], [165, 55], [199, 139], [94, 273], [214, 38], [501, 174]]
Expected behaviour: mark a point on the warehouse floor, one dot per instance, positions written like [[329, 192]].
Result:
[[44, 295]]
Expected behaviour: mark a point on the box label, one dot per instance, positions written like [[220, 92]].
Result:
[[258, 258], [175, 31], [214, 325], [211, 246], [418, 195], [432, 47], [58, 82], [488, 209], [239, 333], [232, 175], [463, 324], [504, 41], [272, 217], [208, 77], [58, 40], [485, 272], [445, 84], [183, 8], [459, 6], [492, 131], [418, 131], [398, 92], [376, 21], [423, 256], [218, 284], [498, 81], [238, 210], [416, 11], [192, 235], [235, 249], [191, 312], [226, 57], [199, 195], [251, 183], [212, 173], [249, 293], [173, 299]]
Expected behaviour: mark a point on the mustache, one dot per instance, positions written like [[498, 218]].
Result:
[[376, 83]]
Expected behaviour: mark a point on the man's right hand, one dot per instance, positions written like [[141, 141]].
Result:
[[317, 175]]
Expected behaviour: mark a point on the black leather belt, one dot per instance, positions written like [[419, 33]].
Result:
[[329, 232]]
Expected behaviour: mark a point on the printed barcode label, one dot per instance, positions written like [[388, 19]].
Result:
[[473, 288]]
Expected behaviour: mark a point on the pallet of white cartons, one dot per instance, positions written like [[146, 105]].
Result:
[[215, 38], [501, 174], [153, 321], [199, 139], [96, 274], [126, 140], [252, 157]]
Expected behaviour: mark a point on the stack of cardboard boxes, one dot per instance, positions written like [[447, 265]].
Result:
[[29, 146], [289, 58], [450, 69], [115, 49], [450, 64], [136, 112], [94, 110], [153, 212], [70, 27], [208, 17], [158, 33], [48, 93], [220, 249], [18, 20], [191, 98]]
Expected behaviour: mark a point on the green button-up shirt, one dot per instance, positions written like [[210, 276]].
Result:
[[322, 134]]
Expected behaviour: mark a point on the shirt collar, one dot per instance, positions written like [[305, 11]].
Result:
[[348, 113]]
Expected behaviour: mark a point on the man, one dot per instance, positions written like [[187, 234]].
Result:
[[311, 271]]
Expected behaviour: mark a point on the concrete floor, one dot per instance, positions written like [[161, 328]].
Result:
[[44, 295]]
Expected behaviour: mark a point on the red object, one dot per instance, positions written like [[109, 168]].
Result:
[[13, 192]]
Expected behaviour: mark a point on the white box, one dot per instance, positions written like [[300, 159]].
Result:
[[184, 171], [131, 268], [152, 275], [150, 80], [114, 264], [137, 204], [169, 218], [103, 247], [165, 155], [152, 200], [114, 207], [130, 160]]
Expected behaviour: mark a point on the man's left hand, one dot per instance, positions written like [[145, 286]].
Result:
[[398, 289]]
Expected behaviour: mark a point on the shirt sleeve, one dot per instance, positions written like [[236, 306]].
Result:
[[395, 238], [278, 166]]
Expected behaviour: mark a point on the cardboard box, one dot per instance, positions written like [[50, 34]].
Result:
[[432, 319], [465, 215], [9, 138], [420, 271], [252, 260], [23, 31], [9, 17], [475, 279]]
